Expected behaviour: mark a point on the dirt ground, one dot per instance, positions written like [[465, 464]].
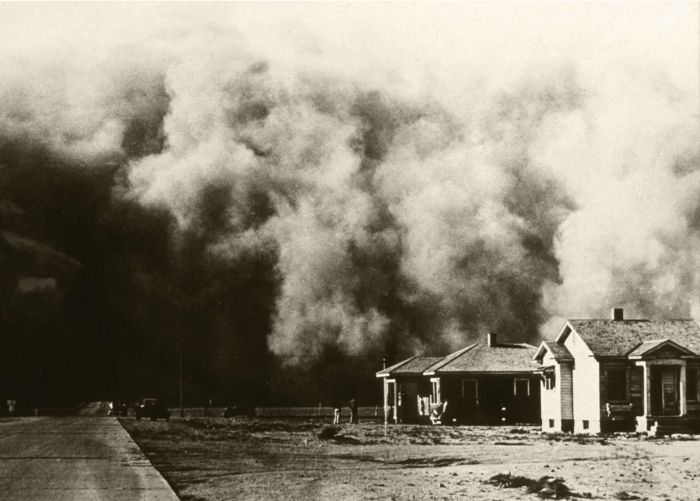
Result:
[[217, 459]]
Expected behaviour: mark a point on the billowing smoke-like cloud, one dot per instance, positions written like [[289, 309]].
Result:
[[416, 185]]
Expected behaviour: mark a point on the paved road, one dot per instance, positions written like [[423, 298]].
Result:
[[75, 459]]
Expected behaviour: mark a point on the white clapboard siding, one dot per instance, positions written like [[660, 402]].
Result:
[[550, 400], [586, 386]]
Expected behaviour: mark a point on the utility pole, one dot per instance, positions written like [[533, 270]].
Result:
[[182, 409]]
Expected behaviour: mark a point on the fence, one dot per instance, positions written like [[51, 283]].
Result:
[[308, 412]]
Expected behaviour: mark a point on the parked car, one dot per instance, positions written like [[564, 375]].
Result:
[[151, 408], [236, 410], [118, 408]]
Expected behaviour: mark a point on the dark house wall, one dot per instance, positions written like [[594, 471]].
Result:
[[492, 399]]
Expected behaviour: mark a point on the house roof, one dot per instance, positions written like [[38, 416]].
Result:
[[499, 358], [410, 366], [387, 370], [558, 351], [447, 359], [416, 366], [618, 338]]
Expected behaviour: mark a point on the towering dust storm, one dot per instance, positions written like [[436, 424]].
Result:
[[435, 176]]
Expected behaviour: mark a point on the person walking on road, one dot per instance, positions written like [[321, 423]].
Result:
[[336, 412], [353, 411]]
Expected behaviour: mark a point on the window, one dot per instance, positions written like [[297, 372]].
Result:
[[551, 423], [521, 387], [585, 424], [691, 385], [549, 378], [617, 385]]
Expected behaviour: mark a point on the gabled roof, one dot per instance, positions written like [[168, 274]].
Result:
[[558, 351], [618, 338], [410, 366], [649, 347], [483, 358]]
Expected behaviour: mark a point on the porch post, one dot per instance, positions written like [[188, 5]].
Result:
[[682, 396], [647, 389], [385, 387], [397, 389]]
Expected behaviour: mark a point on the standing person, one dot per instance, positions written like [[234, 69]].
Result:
[[336, 412], [353, 411]]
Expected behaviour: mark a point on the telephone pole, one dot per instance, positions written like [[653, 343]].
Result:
[[182, 409]]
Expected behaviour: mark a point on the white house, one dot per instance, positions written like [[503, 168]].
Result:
[[604, 375]]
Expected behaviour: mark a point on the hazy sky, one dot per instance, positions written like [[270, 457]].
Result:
[[491, 165]]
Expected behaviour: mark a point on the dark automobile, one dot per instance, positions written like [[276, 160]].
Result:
[[235, 410], [118, 408], [151, 408]]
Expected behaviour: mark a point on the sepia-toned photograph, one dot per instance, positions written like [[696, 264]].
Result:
[[349, 251]]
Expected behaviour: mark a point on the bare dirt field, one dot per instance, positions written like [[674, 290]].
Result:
[[217, 459]]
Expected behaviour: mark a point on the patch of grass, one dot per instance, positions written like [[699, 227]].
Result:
[[435, 462]]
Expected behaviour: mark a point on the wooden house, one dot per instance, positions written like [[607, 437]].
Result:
[[482, 383], [617, 374]]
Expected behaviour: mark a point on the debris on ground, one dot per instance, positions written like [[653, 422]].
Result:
[[625, 496], [545, 487], [328, 432], [335, 433]]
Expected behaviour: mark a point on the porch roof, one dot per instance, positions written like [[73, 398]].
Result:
[[618, 338], [648, 347], [411, 366]]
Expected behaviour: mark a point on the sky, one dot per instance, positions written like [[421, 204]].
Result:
[[404, 177]]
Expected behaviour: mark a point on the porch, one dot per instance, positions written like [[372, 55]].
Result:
[[670, 403]]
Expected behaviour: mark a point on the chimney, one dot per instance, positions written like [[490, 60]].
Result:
[[383, 362], [491, 339], [618, 314]]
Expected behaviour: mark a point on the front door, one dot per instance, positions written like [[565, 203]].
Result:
[[470, 400], [665, 390]]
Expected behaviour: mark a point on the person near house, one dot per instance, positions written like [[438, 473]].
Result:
[[336, 412], [438, 413], [353, 411]]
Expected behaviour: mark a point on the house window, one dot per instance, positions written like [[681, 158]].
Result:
[[617, 385], [691, 385], [585, 424], [551, 423], [521, 387], [549, 378]]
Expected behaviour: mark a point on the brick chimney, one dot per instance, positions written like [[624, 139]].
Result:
[[491, 339], [618, 314]]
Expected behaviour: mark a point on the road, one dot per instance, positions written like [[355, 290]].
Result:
[[75, 459]]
